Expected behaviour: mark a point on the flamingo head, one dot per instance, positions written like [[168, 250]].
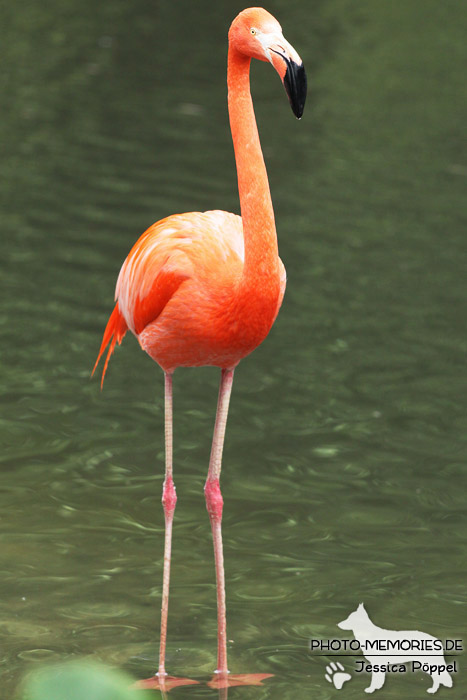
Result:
[[257, 34]]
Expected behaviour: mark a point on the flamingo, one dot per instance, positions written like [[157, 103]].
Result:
[[205, 288]]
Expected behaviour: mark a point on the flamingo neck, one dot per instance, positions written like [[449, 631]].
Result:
[[259, 229]]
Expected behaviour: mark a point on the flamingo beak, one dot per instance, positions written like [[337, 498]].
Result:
[[295, 86], [289, 65]]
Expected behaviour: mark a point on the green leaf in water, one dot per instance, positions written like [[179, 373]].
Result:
[[78, 680]]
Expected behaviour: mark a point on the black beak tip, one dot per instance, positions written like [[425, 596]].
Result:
[[295, 84]]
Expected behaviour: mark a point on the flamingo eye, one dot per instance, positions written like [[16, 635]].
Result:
[[253, 31]]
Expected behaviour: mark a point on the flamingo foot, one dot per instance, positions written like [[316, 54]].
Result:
[[163, 683], [229, 680]]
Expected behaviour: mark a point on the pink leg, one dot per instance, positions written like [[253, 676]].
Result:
[[214, 504], [169, 499], [161, 681], [222, 678]]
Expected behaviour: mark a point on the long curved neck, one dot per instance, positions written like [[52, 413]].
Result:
[[259, 229]]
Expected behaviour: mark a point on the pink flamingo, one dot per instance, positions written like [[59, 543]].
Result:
[[205, 288]]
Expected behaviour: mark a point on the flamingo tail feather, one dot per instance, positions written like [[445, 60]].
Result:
[[114, 333]]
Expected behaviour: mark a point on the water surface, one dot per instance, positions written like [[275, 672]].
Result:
[[345, 462]]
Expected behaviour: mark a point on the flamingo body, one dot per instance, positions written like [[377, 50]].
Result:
[[182, 292]]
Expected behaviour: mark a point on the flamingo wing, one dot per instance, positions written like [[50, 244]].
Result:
[[167, 254]]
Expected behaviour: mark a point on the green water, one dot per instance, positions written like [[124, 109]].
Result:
[[345, 463]]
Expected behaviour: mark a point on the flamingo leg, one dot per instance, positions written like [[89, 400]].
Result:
[[222, 678], [214, 505], [169, 500], [161, 681]]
